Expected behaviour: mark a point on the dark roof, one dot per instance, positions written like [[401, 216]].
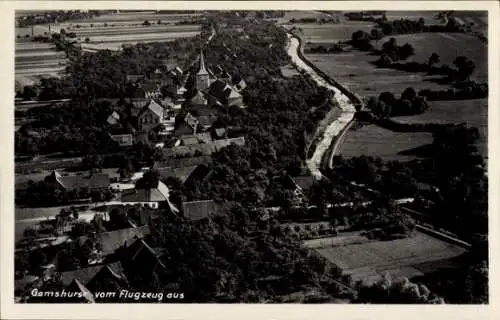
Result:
[[113, 240], [95, 181], [181, 173], [197, 210], [206, 121], [304, 182], [85, 275], [140, 251]]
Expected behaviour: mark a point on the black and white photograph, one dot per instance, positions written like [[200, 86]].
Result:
[[250, 156]]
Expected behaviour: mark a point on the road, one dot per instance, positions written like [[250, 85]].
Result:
[[334, 128]]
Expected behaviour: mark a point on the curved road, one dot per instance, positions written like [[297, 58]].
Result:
[[337, 126]]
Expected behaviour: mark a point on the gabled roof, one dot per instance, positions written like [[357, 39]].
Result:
[[139, 103], [160, 193], [154, 107], [86, 275], [220, 132], [77, 286], [94, 181], [112, 240], [140, 252], [198, 99], [113, 118], [197, 210], [181, 173]]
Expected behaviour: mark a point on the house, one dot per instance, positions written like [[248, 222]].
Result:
[[181, 173], [198, 210], [225, 94], [200, 173], [151, 90], [135, 78], [198, 99], [67, 183], [124, 140], [151, 198], [95, 278], [142, 259], [150, 116], [220, 133], [190, 139], [114, 118], [137, 105], [113, 240]]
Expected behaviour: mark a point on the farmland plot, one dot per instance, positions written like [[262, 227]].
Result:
[[368, 261], [375, 141], [36, 60], [355, 71]]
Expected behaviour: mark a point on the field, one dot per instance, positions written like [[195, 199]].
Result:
[[368, 260], [379, 142], [355, 71], [36, 60], [111, 31]]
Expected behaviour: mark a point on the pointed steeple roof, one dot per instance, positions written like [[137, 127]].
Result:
[[203, 69]]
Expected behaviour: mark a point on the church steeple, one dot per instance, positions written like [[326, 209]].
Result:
[[202, 77], [203, 69]]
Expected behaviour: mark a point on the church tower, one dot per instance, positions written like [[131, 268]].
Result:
[[202, 77]]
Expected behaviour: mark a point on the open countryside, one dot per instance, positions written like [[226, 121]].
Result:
[[253, 156]]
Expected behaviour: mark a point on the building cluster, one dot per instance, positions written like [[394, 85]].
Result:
[[116, 257], [179, 105]]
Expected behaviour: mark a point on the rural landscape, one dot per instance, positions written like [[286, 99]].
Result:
[[251, 157]]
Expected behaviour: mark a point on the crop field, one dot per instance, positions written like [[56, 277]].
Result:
[[36, 60], [379, 142], [409, 257]]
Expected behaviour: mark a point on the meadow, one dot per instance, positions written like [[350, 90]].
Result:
[[355, 70], [369, 260]]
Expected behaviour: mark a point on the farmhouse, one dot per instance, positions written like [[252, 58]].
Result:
[[152, 197], [150, 116], [67, 183]]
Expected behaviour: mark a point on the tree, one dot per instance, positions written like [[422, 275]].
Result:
[[406, 51], [465, 67], [409, 94], [433, 59]]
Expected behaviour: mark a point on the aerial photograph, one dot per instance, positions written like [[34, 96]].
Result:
[[268, 157]]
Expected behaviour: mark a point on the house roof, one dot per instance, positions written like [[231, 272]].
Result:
[[139, 103], [219, 144], [220, 132], [190, 139], [77, 286], [85, 275], [160, 193], [95, 181], [206, 120], [113, 118], [134, 77], [112, 240], [198, 99], [197, 210], [140, 251], [154, 107], [181, 173]]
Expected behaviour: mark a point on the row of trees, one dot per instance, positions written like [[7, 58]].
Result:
[[387, 105]]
